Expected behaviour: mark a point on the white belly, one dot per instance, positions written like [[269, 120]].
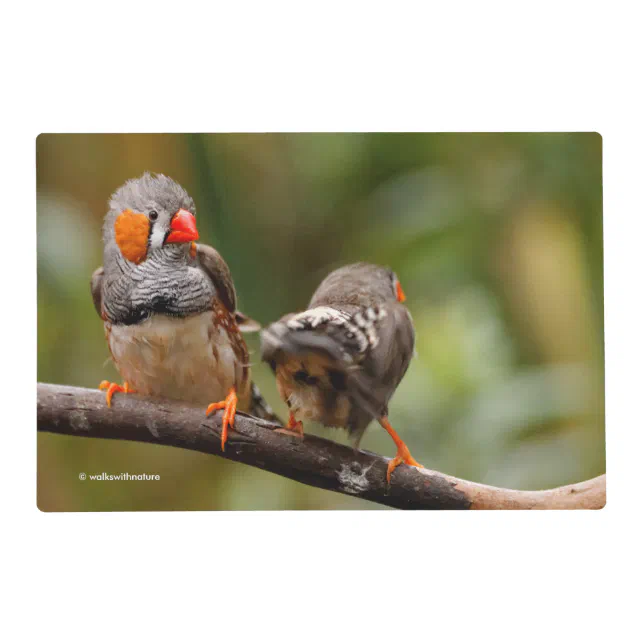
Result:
[[180, 358]]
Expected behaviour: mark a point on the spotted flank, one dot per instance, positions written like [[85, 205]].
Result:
[[365, 323]]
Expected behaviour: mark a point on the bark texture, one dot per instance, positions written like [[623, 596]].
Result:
[[313, 461]]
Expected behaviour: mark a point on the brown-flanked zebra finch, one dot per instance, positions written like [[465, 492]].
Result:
[[169, 305], [340, 361]]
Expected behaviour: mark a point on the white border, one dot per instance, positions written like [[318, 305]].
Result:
[[323, 576]]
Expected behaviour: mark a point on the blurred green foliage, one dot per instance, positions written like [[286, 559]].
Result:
[[496, 238]]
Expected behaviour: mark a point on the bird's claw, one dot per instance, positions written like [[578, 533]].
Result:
[[402, 456], [111, 388], [229, 405]]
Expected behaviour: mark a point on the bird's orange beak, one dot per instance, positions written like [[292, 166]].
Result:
[[183, 228]]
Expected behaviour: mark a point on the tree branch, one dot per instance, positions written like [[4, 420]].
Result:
[[314, 461]]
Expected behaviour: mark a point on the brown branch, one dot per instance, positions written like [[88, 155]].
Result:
[[314, 461]]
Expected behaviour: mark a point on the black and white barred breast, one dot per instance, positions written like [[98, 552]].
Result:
[[160, 285]]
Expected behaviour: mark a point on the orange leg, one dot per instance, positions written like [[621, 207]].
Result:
[[293, 427], [112, 388], [403, 454], [229, 405]]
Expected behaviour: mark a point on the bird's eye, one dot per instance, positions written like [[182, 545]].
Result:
[[154, 215]]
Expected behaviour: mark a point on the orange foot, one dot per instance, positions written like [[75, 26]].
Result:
[[403, 455], [293, 427], [229, 405], [112, 388]]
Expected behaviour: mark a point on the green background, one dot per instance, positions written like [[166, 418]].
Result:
[[496, 239]]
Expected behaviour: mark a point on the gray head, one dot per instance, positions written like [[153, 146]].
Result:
[[147, 214], [359, 284]]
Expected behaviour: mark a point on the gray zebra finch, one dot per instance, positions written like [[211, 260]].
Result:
[[169, 305], [340, 361]]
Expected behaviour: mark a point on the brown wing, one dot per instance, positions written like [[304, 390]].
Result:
[[214, 265], [97, 288]]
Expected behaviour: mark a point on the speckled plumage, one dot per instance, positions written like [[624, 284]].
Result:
[[340, 361]]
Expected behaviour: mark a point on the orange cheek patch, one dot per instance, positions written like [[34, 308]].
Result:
[[400, 294], [132, 230]]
